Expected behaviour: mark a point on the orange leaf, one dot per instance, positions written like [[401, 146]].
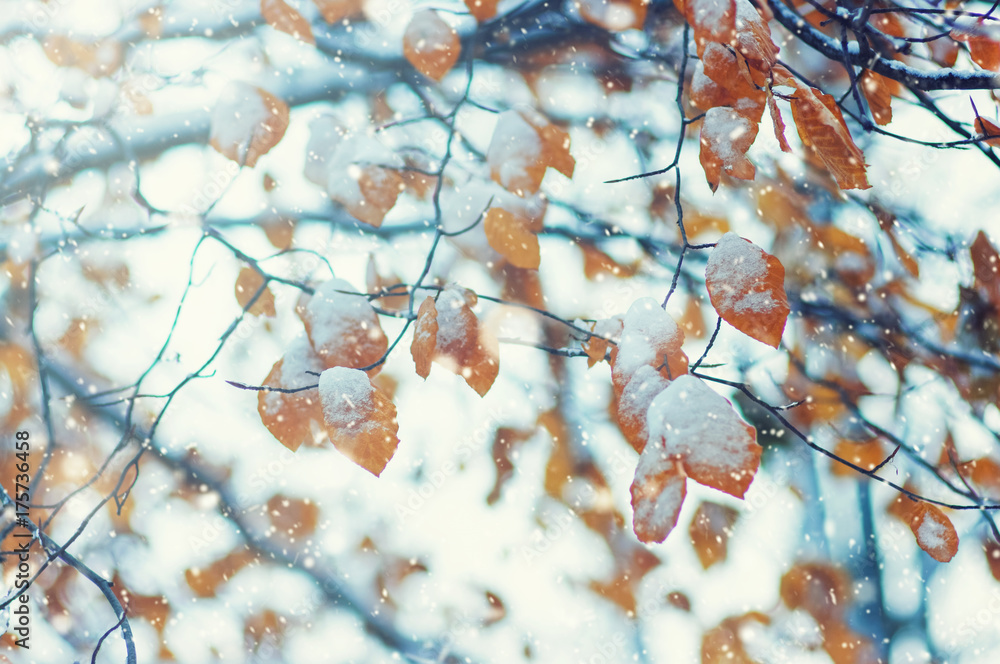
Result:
[[992, 551], [334, 11], [650, 337], [431, 45], [280, 16], [878, 91], [424, 342], [725, 138], [730, 70], [248, 283], [691, 423], [508, 233], [247, 122], [778, 122], [293, 516], [343, 328], [205, 581], [746, 287], [934, 532], [523, 145], [984, 50], [710, 530], [635, 399], [482, 10], [608, 329], [986, 267], [359, 417], [289, 417], [867, 455], [711, 20], [989, 132], [596, 263], [820, 589], [658, 492], [464, 346], [822, 128]]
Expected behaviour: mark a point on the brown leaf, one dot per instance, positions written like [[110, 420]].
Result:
[[424, 345], [360, 419], [335, 11], [247, 122], [505, 443], [822, 128], [747, 288], [293, 517], [280, 16], [342, 327], [878, 91], [710, 529], [464, 346], [289, 417], [508, 233], [205, 581], [482, 10], [248, 283], [725, 138], [934, 532], [431, 45]]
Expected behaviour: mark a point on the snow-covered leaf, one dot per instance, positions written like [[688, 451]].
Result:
[[747, 288], [360, 418], [431, 45], [247, 122], [343, 328]]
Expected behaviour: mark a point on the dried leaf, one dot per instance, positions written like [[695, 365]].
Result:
[[614, 15], [509, 235], [523, 145], [934, 532], [711, 527], [289, 416], [505, 442], [464, 346], [205, 581], [867, 455], [342, 327], [335, 11], [778, 122], [725, 138], [280, 16], [692, 424], [247, 122], [424, 345], [746, 287], [820, 589], [822, 128], [482, 10], [360, 419], [293, 517], [248, 283], [878, 91], [650, 337], [634, 402], [431, 45], [658, 492]]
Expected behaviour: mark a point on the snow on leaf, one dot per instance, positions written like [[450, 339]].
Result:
[[638, 394], [248, 283], [729, 70], [822, 128], [292, 517], [287, 416], [360, 418], [431, 45], [247, 122], [343, 328], [650, 337], [711, 20], [280, 16], [726, 135], [425, 337], [325, 134], [746, 287], [523, 145], [934, 532], [465, 347], [691, 423], [359, 171], [753, 39], [509, 234], [657, 492]]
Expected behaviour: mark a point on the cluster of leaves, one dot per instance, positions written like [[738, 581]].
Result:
[[825, 295]]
